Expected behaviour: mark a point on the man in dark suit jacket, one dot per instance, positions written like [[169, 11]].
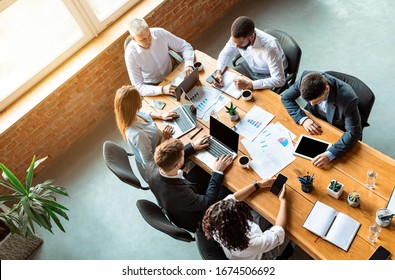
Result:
[[329, 99], [183, 201]]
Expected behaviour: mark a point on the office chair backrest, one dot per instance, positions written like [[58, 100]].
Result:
[[116, 159], [154, 216], [127, 41], [292, 52], [208, 249], [365, 95]]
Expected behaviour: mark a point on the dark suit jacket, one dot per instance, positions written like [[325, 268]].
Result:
[[181, 199], [342, 111]]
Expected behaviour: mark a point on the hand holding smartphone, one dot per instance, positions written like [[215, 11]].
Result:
[[278, 184]]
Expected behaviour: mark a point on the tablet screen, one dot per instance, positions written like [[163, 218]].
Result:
[[309, 147]]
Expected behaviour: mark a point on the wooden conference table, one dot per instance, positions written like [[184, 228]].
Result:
[[351, 170]]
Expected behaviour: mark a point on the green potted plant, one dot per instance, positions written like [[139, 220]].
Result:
[[29, 205], [353, 199], [233, 114], [335, 189]]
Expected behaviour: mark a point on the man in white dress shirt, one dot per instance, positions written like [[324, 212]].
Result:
[[147, 57], [261, 51]]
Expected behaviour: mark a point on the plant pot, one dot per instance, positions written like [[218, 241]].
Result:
[[17, 247], [353, 203], [333, 193], [234, 117]]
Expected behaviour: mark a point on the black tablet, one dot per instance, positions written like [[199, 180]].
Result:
[[309, 147]]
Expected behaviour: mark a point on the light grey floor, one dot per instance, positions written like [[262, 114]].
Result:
[[354, 37]]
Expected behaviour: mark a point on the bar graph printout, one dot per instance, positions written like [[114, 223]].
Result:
[[253, 122]]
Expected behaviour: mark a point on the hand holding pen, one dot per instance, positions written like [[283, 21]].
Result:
[[217, 79]]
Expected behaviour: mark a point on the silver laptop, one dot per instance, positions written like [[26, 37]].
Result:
[[223, 140], [186, 122], [187, 84]]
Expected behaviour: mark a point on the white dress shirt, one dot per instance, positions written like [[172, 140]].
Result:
[[143, 137], [265, 56], [261, 243], [147, 67]]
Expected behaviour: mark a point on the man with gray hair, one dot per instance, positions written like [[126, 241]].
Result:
[[147, 57]]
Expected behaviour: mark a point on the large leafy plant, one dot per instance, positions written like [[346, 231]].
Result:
[[32, 205]]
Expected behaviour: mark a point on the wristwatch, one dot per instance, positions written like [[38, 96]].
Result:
[[257, 187]]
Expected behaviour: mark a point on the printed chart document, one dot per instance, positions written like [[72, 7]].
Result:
[[333, 226], [253, 122], [229, 85]]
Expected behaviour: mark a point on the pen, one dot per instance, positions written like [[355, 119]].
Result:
[[196, 133], [215, 79]]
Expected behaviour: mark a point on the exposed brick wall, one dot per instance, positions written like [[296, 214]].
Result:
[[81, 103]]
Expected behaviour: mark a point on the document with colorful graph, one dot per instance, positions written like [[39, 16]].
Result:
[[253, 122]]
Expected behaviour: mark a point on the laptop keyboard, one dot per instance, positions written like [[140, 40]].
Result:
[[182, 122], [216, 149]]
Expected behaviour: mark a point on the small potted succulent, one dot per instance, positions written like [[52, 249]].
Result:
[[233, 114], [335, 189], [353, 199]]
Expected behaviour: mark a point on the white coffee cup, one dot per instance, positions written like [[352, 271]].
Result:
[[198, 65], [246, 94], [244, 162]]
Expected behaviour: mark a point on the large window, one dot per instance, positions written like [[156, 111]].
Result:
[[38, 35]]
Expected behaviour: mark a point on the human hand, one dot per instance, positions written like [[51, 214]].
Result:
[[201, 143], [169, 116], [222, 162], [169, 89], [282, 197], [187, 71], [321, 160], [242, 83], [217, 80], [167, 132], [266, 183], [312, 127]]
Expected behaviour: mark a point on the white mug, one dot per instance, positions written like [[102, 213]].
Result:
[[244, 162], [246, 94], [198, 65]]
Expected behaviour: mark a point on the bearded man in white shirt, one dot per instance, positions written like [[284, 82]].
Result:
[[262, 52], [147, 57]]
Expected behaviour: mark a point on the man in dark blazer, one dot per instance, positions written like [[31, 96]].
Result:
[[331, 100], [183, 201]]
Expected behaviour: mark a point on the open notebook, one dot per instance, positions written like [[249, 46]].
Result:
[[333, 226]]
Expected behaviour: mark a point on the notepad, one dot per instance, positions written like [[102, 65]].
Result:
[[331, 225], [229, 86]]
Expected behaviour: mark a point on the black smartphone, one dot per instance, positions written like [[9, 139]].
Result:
[[278, 184], [380, 254]]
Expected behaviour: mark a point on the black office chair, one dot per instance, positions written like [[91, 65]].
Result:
[[365, 95], [291, 50], [208, 249], [175, 57], [116, 159], [154, 216]]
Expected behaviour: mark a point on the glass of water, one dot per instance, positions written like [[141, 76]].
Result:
[[371, 179]]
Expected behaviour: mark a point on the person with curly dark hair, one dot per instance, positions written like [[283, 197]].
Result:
[[231, 223]]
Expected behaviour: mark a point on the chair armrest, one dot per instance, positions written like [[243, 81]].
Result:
[[176, 56], [235, 59]]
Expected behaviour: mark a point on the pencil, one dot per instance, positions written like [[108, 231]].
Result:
[[196, 133], [214, 78]]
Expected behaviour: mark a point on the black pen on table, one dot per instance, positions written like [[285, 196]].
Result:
[[196, 133]]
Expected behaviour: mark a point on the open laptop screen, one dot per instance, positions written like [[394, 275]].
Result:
[[188, 83], [224, 134]]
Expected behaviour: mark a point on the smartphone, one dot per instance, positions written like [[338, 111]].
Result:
[[278, 184], [157, 104], [380, 254]]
